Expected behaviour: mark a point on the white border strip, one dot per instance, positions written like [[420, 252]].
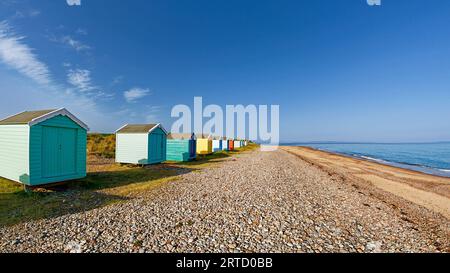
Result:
[[63, 112]]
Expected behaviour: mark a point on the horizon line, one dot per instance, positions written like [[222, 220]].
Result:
[[365, 142]]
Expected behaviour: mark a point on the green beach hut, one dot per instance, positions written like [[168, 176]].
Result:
[[181, 147], [42, 147], [141, 144]]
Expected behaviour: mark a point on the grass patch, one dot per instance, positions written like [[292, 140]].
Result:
[[103, 145], [105, 184], [96, 190], [17, 206], [209, 161], [125, 180]]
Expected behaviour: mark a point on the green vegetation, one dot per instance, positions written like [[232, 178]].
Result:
[[98, 189], [208, 161], [103, 145], [106, 183]]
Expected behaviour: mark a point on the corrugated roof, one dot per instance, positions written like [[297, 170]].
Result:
[[25, 117], [136, 128], [179, 136]]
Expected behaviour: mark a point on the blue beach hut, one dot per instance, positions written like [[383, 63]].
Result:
[[225, 142], [217, 144]]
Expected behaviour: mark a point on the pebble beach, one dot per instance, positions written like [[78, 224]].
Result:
[[251, 202]]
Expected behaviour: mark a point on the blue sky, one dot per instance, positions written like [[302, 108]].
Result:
[[340, 70]]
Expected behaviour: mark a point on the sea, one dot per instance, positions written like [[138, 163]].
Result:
[[430, 158]]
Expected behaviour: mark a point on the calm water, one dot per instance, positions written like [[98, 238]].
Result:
[[432, 158]]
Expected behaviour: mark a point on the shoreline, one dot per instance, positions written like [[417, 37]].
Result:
[[397, 165], [422, 169], [427, 190]]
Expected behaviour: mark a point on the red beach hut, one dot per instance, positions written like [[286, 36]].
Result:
[[230, 145]]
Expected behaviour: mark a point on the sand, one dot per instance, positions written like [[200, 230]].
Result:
[[431, 192]]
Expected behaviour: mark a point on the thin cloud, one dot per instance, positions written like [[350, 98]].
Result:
[[34, 13], [117, 80], [153, 113], [82, 31], [81, 79], [75, 44], [19, 56], [135, 94], [26, 14]]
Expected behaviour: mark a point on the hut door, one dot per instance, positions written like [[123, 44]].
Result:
[[67, 142], [50, 151], [156, 147], [192, 148], [159, 147], [58, 151]]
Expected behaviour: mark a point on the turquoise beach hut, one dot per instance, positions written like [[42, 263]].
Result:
[[42, 147], [141, 144], [181, 147]]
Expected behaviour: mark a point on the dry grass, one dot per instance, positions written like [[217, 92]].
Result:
[[103, 145], [106, 183], [112, 183]]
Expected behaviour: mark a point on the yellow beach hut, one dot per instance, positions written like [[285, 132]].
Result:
[[204, 144]]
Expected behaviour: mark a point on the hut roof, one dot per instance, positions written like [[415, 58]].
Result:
[[33, 117], [204, 136], [139, 128], [179, 136]]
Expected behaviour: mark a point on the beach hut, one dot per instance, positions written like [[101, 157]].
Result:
[[204, 144], [224, 144], [237, 144], [181, 147], [217, 144], [230, 145], [141, 144], [43, 147]]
